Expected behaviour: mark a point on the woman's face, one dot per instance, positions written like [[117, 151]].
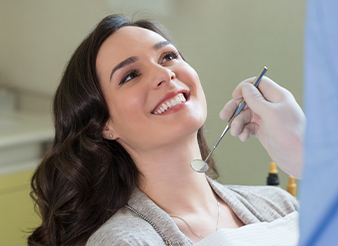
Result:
[[154, 97]]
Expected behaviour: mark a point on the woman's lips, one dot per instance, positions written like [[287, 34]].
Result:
[[170, 103], [170, 100]]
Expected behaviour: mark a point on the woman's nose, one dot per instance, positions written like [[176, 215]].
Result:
[[162, 77]]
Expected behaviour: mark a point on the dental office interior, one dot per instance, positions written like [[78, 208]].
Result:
[[224, 41]]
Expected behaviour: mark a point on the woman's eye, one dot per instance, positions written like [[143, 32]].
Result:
[[131, 75], [169, 56]]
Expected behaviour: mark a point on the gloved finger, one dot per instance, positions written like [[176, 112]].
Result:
[[270, 90], [249, 129], [228, 110], [240, 121], [254, 99]]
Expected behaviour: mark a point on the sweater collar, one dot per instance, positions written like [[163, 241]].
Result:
[[145, 206]]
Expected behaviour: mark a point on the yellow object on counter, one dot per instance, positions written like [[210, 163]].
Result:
[[273, 168], [292, 187]]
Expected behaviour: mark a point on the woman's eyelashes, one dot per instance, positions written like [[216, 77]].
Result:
[[130, 75], [169, 56]]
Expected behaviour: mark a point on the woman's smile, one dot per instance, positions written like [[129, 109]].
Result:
[[169, 102]]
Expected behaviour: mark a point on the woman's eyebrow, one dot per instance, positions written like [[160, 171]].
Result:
[[133, 59], [124, 63], [161, 44]]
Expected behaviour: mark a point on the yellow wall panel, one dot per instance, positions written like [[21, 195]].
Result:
[[16, 209]]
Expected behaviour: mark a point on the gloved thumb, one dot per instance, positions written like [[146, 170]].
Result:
[[254, 99]]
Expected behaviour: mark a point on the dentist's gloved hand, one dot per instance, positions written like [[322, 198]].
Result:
[[274, 117]]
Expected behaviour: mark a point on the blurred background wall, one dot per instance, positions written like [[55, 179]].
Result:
[[226, 41]]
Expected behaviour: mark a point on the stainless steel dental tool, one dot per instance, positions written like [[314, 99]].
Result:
[[202, 166]]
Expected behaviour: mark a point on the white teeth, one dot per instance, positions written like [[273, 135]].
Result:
[[178, 99]]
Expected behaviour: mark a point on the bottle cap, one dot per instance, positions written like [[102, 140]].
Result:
[[273, 168], [292, 187]]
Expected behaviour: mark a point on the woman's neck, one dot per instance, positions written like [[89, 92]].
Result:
[[168, 179]]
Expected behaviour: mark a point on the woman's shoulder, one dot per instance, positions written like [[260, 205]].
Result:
[[269, 202], [257, 203], [265, 193], [125, 228]]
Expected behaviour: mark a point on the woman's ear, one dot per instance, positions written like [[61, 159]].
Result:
[[109, 131]]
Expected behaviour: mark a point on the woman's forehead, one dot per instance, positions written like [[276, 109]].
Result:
[[131, 36], [126, 42]]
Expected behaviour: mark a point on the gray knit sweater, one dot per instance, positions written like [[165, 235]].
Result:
[[252, 204]]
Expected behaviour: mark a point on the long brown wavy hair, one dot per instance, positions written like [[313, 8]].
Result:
[[84, 179]]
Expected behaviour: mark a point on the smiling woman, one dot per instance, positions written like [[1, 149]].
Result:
[[85, 171], [129, 115]]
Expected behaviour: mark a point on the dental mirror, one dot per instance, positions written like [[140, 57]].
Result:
[[201, 166]]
